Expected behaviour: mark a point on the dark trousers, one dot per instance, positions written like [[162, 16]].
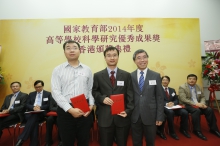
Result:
[[209, 115], [51, 120], [73, 128], [170, 113], [138, 129], [7, 121], [31, 128], [107, 135]]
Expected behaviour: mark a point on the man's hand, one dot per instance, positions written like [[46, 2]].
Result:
[[5, 111], [201, 105], [123, 114], [75, 112], [87, 113], [36, 108], [158, 123], [170, 104], [108, 101]]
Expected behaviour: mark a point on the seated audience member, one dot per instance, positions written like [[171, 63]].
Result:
[[191, 95], [51, 120], [37, 100], [171, 99], [14, 105]]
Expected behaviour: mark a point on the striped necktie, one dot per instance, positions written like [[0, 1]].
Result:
[[141, 81]]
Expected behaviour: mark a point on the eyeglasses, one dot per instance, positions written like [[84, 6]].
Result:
[[110, 56], [72, 49], [37, 87], [141, 58]]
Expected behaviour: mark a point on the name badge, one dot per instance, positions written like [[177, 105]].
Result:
[[45, 99], [198, 92], [81, 74], [120, 83], [173, 94], [152, 82], [17, 101]]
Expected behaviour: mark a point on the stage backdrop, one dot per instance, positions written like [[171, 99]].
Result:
[[32, 48]]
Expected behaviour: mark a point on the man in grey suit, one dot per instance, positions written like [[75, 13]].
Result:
[[14, 104], [191, 95], [148, 111], [110, 81]]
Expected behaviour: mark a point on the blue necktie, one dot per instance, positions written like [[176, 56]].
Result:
[[141, 81], [39, 99]]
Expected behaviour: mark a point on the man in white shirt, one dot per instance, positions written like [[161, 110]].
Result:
[[70, 79]]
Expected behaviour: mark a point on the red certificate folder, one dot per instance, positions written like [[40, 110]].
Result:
[[80, 102], [52, 113], [4, 115], [118, 105]]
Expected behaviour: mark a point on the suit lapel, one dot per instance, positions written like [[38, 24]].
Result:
[[105, 76], [134, 75], [147, 78], [188, 90], [119, 76], [170, 94]]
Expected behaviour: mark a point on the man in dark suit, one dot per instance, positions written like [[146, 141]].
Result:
[[148, 98], [37, 101], [170, 100], [51, 120], [14, 104], [107, 82], [191, 95]]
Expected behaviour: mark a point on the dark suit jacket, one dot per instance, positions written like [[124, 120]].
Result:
[[18, 108], [149, 104], [44, 104], [53, 104], [102, 88], [173, 97]]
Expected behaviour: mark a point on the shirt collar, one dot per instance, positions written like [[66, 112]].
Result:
[[165, 87], [109, 70], [66, 64], [16, 93], [145, 71]]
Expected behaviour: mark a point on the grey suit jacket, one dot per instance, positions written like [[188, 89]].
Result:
[[149, 104], [19, 107], [102, 88], [185, 96]]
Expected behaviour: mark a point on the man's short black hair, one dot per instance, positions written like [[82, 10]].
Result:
[[15, 82], [38, 81], [192, 75], [165, 77], [111, 48]]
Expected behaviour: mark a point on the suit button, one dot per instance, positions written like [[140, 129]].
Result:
[[141, 95]]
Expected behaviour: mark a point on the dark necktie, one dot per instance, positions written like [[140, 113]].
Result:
[[112, 78], [141, 81], [167, 94]]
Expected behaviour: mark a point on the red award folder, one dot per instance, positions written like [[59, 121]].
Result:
[[118, 105], [4, 115], [52, 113], [80, 102]]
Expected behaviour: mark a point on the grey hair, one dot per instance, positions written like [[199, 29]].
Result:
[[138, 52]]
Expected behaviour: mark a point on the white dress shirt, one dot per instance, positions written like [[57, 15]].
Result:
[[68, 81]]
